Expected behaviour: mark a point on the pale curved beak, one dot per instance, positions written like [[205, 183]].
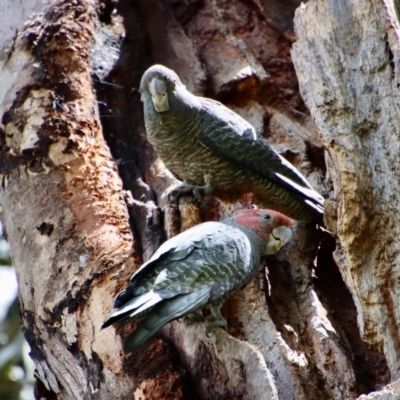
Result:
[[278, 238], [159, 95]]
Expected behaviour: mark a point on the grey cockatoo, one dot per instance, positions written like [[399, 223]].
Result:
[[199, 268], [212, 149]]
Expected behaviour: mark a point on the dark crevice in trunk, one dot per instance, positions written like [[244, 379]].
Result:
[[370, 366], [122, 120], [123, 128]]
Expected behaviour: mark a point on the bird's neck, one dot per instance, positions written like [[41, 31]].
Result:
[[256, 242]]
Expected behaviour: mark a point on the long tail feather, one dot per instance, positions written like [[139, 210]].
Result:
[[133, 307], [164, 313]]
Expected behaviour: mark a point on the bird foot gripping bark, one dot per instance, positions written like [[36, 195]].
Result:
[[216, 319], [198, 191], [192, 318]]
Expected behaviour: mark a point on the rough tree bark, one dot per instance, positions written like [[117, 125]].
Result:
[[353, 97], [322, 323]]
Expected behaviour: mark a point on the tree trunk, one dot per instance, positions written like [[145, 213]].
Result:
[[353, 95], [321, 320]]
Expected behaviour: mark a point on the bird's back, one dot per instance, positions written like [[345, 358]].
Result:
[[198, 138], [205, 256]]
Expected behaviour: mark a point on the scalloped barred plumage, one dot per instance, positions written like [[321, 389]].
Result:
[[199, 268], [202, 141]]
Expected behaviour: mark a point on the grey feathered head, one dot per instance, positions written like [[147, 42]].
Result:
[[157, 81]]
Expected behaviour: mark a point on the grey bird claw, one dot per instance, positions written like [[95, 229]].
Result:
[[198, 193], [189, 187], [215, 324], [193, 318], [183, 188], [216, 319]]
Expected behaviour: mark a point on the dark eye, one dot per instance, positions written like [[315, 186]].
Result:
[[267, 216]]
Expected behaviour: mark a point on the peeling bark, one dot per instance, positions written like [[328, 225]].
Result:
[[62, 203], [85, 198]]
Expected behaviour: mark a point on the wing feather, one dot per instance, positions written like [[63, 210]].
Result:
[[230, 136], [167, 312]]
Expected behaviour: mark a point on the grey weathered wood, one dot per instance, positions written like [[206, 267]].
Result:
[[348, 69]]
